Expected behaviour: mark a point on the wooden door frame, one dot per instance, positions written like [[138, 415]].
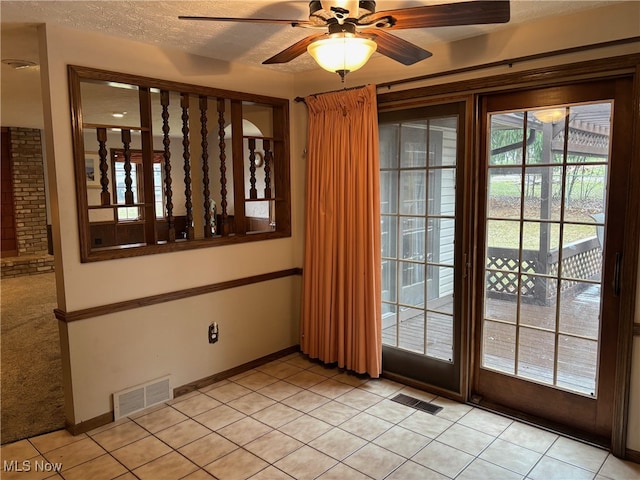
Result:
[[579, 414], [438, 378], [604, 68]]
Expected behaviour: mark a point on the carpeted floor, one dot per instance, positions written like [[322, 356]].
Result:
[[31, 395]]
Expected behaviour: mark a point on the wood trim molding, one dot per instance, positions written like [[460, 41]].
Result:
[[632, 455], [512, 61], [629, 278], [569, 73], [205, 382], [91, 424], [86, 313], [106, 418]]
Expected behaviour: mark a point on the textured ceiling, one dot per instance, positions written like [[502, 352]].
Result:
[[156, 22]]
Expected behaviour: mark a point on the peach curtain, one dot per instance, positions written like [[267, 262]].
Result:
[[341, 320]]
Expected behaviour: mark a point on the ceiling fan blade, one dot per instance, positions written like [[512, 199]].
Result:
[[293, 51], [446, 15], [280, 21], [397, 48]]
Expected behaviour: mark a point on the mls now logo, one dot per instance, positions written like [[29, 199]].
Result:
[[29, 466]]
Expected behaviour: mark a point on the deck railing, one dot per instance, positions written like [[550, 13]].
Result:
[[581, 260]]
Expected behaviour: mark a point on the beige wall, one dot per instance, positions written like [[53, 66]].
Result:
[[112, 352]]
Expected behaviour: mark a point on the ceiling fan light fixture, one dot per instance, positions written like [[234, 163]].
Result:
[[342, 52]]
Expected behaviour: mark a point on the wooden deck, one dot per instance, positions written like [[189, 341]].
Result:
[[411, 332], [577, 345]]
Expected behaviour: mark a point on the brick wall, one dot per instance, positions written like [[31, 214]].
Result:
[[30, 205], [28, 191]]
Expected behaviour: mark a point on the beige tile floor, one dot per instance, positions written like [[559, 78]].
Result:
[[293, 418]]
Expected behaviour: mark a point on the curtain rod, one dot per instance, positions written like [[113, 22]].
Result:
[[511, 61], [301, 99], [499, 63]]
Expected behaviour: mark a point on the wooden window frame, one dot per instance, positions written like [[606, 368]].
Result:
[[233, 233]]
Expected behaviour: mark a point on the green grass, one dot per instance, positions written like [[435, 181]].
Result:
[[505, 204], [589, 186], [507, 234]]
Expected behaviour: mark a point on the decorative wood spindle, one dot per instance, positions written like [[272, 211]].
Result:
[[223, 169], [208, 230], [186, 155], [105, 198], [166, 141], [268, 157], [128, 181], [253, 193]]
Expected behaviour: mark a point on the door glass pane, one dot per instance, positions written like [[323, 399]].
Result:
[[580, 309], [414, 145], [581, 252], [544, 243], [388, 138], [504, 189], [577, 364], [539, 308], [504, 234], [389, 280], [505, 139], [442, 182], [418, 203], [413, 192], [589, 133], [412, 283], [498, 346], [389, 191], [501, 285], [411, 334], [497, 309], [389, 323], [584, 192], [440, 336], [542, 187], [389, 236], [532, 364], [441, 240], [440, 295], [413, 236]]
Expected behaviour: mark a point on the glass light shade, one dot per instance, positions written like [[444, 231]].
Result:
[[550, 115], [342, 52]]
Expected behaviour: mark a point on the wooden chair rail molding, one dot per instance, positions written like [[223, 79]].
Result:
[[92, 312]]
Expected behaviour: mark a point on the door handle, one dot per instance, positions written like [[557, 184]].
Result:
[[616, 274]]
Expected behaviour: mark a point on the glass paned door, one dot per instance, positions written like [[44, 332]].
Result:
[[547, 320], [419, 162], [547, 183]]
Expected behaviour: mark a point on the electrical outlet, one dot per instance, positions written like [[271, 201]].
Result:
[[213, 332]]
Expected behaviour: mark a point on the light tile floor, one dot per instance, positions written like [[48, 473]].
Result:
[[293, 418]]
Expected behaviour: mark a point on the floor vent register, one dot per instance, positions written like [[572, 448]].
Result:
[[417, 404]]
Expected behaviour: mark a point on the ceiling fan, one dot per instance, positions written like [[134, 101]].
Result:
[[358, 31]]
